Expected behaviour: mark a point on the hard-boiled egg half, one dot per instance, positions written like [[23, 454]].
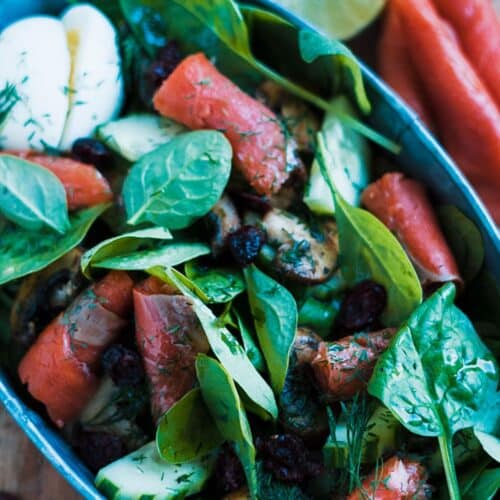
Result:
[[67, 75]]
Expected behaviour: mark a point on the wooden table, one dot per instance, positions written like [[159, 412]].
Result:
[[24, 471]]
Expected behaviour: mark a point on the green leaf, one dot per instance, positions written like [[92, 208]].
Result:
[[223, 401], [275, 316], [464, 239], [187, 431], [165, 255], [178, 182], [487, 429], [32, 196], [485, 487], [226, 348], [251, 348], [218, 284], [346, 159], [24, 252], [122, 244], [436, 375], [313, 45], [368, 250]]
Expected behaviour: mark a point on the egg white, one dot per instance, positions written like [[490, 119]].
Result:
[[96, 82], [34, 56]]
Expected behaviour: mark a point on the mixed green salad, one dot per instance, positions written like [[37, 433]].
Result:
[[213, 279]]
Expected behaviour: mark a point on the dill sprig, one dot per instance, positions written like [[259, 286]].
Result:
[[8, 99], [354, 418]]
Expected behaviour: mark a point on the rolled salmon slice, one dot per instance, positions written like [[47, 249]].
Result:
[[200, 97], [59, 368], [403, 206]]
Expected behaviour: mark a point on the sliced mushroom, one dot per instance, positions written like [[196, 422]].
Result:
[[223, 219], [299, 118], [304, 254], [45, 294]]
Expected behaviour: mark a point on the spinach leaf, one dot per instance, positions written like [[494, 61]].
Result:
[[251, 348], [346, 157], [226, 348], [23, 252], [179, 181], [32, 196], [313, 45], [166, 254], [485, 486], [124, 243], [275, 317], [219, 284], [224, 403], [368, 250], [436, 374], [487, 429], [464, 239], [187, 431]]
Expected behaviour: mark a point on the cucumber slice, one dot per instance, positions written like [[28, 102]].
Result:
[[135, 135], [346, 157], [144, 475]]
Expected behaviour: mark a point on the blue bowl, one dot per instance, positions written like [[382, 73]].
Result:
[[421, 158]]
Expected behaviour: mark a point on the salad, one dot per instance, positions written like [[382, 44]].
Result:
[[213, 279]]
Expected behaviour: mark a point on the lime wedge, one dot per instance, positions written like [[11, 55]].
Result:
[[339, 19]]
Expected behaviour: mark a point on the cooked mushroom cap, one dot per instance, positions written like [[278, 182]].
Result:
[[223, 219], [43, 295], [303, 254]]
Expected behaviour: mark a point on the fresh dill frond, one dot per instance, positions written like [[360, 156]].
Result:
[[344, 448], [8, 99]]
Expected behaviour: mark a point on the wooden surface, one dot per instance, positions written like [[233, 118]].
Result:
[[23, 471]]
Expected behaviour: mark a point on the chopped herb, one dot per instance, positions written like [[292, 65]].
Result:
[[8, 99], [184, 478]]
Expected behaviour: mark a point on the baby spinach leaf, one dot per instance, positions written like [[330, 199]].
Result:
[[313, 45], [275, 317], [223, 401], [368, 250], [485, 486], [218, 284], [226, 348], [464, 239], [179, 181], [187, 431], [32, 196], [124, 243], [487, 429], [165, 254], [436, 374], [251, 348], [23, 252]]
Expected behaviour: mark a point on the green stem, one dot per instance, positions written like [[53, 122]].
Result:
[[446, 448], [320, 103]]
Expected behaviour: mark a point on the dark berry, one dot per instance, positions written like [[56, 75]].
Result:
[[287, 458], [98, 449], [245, 244], [362, 306], [4, 495], [229, 474], [92, 151], [123, 365], [167, 59]]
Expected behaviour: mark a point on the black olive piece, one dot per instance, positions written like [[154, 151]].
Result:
[[98, 449], [93, 152], [123, 365], [287, 458], [362, 306], [229, 474], [245, 244]]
